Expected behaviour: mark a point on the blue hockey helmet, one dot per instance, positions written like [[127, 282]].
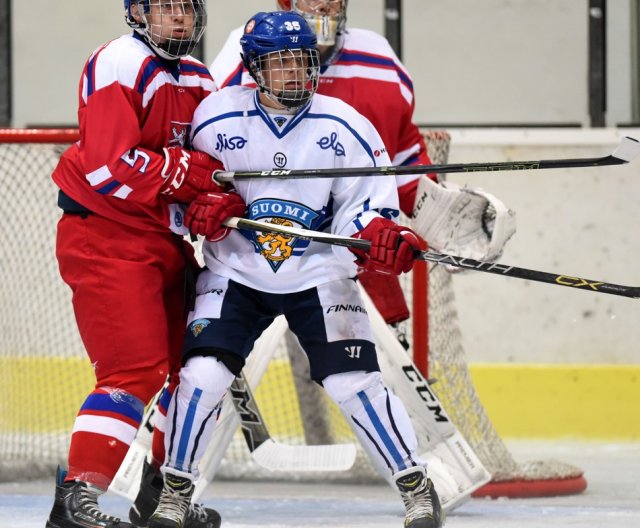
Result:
[[282, 41], [177, 27]]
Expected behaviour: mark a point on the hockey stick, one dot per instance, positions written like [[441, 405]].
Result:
[[126, 482], [275, 456], [229, 419], [450, 260], [268, 453], [626, 151]]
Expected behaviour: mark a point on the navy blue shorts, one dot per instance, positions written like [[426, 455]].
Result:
[[330, 322]]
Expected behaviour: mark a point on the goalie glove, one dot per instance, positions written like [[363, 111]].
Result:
[[207, 213], [392, 247], [462, 221], [188, 173]]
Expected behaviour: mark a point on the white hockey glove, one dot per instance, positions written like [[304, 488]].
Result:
[[462, 221]]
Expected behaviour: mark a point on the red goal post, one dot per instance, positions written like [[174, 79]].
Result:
[[39, 135]]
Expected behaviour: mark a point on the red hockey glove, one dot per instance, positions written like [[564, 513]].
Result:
[[208, 211], [387, 295], [392, 247], [188, 173]]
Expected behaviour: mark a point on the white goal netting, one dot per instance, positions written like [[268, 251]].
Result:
[[45, 375]]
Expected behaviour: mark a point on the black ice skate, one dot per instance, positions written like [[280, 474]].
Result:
[[149, 495], [420, 498], [76, 506]]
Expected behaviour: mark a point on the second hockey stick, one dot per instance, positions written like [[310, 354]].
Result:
[[626, 151], [276, 456], [450, 260]]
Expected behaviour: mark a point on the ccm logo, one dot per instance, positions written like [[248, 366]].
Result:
[[422, 388]]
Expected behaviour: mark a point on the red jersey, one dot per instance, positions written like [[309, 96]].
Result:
[[366, 74], [132, 104]]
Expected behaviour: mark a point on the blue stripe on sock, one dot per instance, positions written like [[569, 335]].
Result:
[[382, 433], [187, 427]]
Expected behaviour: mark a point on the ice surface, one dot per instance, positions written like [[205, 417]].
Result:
[[612, 498]]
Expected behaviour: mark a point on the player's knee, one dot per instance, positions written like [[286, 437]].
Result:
[[347, 388], [207, 375], [143, 383]]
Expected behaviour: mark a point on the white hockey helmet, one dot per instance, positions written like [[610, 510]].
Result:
[[327, 18], [182, 24]]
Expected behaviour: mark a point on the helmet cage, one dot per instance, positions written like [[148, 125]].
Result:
[[327, 18], [174, 18], [279, 51], [288, 77]]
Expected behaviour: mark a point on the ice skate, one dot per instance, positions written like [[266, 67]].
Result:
[[174, 503], [419, 497], [76, 506], [149, 495]]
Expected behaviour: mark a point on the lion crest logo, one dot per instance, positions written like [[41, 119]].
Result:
[[276, 248], [198, 326]]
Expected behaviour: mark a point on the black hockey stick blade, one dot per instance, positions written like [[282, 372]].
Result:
[[451, 260], [626, 151]]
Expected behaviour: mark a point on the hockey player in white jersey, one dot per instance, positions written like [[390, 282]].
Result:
[[251, 278], [360, 67]]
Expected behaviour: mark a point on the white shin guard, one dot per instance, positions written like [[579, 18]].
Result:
[[193, 413], [378, 418]]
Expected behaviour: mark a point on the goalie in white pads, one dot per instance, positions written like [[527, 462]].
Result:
[[254, 277]]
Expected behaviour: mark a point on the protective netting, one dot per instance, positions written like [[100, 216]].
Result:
[[454, 387], [45, 375]]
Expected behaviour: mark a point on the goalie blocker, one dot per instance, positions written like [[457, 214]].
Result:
[[464, 221]]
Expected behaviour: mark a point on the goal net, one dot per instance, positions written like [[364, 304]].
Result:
[[45, 374]]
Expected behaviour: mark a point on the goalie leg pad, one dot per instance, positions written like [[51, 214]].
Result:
[[377, 416], [203, 383], [462, 221]]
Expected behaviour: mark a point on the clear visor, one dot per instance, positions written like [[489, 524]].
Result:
[[174, 27], [288, 77]]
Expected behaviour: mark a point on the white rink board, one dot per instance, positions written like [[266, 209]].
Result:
[[580, 222]]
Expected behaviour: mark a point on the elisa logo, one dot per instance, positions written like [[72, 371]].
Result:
[[250, 25]]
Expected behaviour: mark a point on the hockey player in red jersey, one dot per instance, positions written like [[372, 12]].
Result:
[[120, 245]]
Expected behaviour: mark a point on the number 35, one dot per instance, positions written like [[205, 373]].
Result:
[[292, 26]]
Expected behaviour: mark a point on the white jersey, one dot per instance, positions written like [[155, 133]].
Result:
[[366, 74], [233, 127]]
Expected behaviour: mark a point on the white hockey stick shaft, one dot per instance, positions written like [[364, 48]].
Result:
[[276, 456], [267, 452], [450, 260], [127, 480], [627, 150]]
